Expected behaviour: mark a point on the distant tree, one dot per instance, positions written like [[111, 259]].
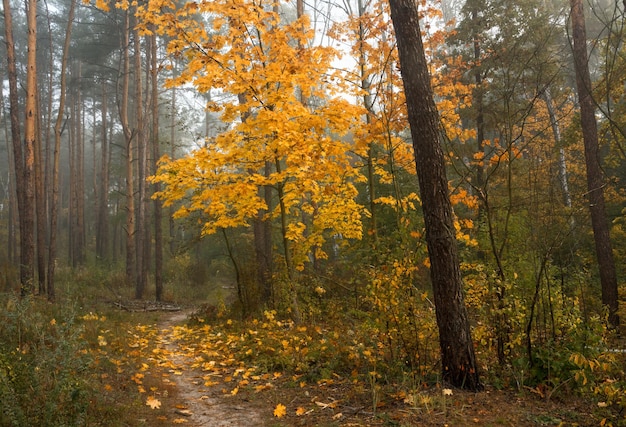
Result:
[[459, 366]]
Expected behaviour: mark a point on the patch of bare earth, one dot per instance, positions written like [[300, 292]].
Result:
[[189, 402]]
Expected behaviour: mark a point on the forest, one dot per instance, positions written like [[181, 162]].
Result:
[[332, 212]]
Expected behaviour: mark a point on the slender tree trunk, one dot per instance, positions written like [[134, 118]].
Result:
[[367, 103], [156, 154], [595, 181], [58, 131], [556, 132], [11, 195], [458, 361], [102, 222], [131, 266], [480, 116], [79, 185], [140, 230], [40, 207], [171, 224]]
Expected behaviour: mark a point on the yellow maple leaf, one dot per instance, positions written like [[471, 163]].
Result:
[[179, 421], [300, 411], [280, 411], [153, 403]]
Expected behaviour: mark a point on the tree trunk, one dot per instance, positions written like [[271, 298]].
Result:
[[156, 154], [556, 132], [58, 131], [30, 134], [595, 181], [128, 139], [102, 221], [40, 206], [79, 185], [140, 230], [457, 350]]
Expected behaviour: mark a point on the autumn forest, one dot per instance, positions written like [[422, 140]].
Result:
[[345, 212]]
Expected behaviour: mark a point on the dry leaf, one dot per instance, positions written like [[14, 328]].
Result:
[[153, 403], [280, 411]]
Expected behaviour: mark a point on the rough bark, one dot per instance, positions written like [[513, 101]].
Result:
[[595, 180], [27, 247], [457, 352]]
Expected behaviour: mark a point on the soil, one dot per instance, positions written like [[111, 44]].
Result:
[[189, 402]]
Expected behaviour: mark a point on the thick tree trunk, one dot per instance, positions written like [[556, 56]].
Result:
[[595, 181], [30, 134], [457, 350]]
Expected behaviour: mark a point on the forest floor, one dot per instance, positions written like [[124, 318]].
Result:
[[186, 391]]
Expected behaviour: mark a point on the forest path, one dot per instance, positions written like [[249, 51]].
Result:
[[192, 401]]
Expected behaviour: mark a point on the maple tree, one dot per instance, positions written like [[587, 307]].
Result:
[[249, 56]]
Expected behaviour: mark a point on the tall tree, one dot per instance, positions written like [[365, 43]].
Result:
[[140, 222], [156, 154], [457, 351], [26, 274], [128, 140], [58, 130], [595, 181], [30, 134]]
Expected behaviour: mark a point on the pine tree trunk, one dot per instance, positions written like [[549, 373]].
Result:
[[140, 230], [595, 181], [128, 140], [27, 246], [156, 154], [102, 218], [58, 130], [457, 351]]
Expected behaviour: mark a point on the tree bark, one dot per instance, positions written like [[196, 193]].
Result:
[[128, 139], [595, 181], [102, 222], [140, 230], [18, 167], [156, 154], [30, 134], [457, 352]]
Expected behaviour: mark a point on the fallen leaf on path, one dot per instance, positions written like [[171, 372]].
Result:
[[153, 403], [280, 411]]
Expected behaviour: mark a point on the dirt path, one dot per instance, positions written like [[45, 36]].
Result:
[[192, 402]]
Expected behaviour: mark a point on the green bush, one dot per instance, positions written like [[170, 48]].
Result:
[[44, 365]]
